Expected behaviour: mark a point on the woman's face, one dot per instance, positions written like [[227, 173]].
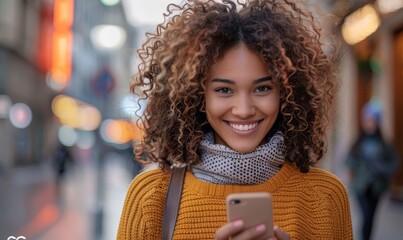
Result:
[[369, 124], [242, 101]]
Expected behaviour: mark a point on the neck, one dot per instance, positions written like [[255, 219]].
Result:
[[222, 165]]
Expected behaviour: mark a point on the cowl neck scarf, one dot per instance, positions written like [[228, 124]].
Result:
[[221, 165]]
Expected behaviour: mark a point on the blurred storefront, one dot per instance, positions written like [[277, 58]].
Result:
[[371, 67], [25, 121], [78, 48], [65, 71]]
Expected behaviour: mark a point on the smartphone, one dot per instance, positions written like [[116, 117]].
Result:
[[252, 208]]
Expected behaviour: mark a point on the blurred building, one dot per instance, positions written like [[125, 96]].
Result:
[[65, 69], [54, 47], [371, 66], [22, 80]]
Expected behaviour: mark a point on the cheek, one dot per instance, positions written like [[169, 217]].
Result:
[[214, 106], [271, 107], [214, 109]]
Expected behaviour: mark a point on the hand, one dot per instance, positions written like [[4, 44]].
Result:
[[280, 235], [236, 231]]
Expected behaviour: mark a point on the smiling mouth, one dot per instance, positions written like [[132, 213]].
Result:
[[243, 127]]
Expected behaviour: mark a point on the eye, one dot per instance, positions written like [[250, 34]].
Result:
[[223, 90], [262, 89]]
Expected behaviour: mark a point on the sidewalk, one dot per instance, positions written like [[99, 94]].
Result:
[[76, 203], [26, 194], [388, 220], [34, 207]]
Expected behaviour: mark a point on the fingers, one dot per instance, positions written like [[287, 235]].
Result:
[[280, 234], [236, 231], [251, 233], [229, 229]]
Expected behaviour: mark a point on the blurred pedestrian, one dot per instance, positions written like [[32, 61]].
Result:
[[62, 158], [372, 161]]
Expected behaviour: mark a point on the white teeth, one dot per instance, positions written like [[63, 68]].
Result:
[[244, 127]]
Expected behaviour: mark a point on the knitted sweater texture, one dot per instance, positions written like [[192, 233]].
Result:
[[311, 205]]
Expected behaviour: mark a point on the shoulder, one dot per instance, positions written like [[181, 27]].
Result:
[[316, 181], [152, 174], [322, 201], [326, 185], [324, 179], [334, 198], [147, 189], [143, 206], [150, 181]]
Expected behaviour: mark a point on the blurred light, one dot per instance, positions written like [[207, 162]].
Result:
[[108, 36], [67, 136], [44, 41], [140, 12], [131, 107], [64, 107], [110, 3], [63, 13], [61, 57], [20, 115], [388, 6], [5, 104], [86, 140], [137, 133], [90, 118], [119, 131], [62, 42], [360, 24], [76, 114], [115, 131]]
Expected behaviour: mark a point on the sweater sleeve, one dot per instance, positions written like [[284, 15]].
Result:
[[341, 209], [141, 216], [336, 200]]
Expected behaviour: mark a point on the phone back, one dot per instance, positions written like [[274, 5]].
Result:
[[252, 208]]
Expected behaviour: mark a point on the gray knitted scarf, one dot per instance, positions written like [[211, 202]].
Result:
[[222, 165]]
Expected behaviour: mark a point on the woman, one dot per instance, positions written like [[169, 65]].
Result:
[[372, 161], [240, 95]]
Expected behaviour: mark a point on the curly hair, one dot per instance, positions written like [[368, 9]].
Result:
[[176, 59]]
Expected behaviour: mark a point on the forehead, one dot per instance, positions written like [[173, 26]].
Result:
[[239, 62]]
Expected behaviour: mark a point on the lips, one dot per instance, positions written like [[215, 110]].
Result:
[[243, 127]]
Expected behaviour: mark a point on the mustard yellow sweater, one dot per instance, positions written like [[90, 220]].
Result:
[[311, 205]]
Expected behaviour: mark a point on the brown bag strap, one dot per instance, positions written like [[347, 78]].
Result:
[[172, 202]]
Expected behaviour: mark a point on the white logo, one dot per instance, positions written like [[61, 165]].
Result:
[[16, 238]]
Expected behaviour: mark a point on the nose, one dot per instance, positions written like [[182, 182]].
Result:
[[243, 107]]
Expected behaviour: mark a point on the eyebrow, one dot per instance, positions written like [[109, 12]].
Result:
[[259, 80]]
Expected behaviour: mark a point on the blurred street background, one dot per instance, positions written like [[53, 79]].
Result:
[[67, 117]]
